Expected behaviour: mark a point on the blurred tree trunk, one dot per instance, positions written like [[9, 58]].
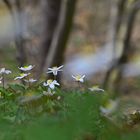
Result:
[[62, 32], [51, 15], [117, 25], [127, 46], [16, 11], [19, 38]]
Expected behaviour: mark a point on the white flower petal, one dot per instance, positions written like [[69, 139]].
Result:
[[81, 80], [50, 69], [45, 84], [49, 72], [52, 86], [56, 83], [73, 77], [18, 78], [8, 71], [83, 77], [60, 67]]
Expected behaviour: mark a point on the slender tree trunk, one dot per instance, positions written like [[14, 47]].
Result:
[[117, 25], [51, 14], [62, 32], [127, 47]]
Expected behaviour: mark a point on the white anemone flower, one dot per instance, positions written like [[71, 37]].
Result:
[[4, 71], [79, 78], [55, 70], [109, 108], [27, 68], [31, 80], [22, 75], [96, 89], [51, 83]]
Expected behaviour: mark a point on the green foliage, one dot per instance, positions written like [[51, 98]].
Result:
[[27, 114]]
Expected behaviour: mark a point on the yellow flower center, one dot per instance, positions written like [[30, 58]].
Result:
[[78, 77], [55, 67], [109, 105], [26, 66], [49, 81], [22, 74], [95, 87]]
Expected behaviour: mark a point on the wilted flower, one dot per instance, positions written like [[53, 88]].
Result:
[[55, 70], [51, 83], [31, 80], [110, 107], [27, 68], [22, 75], [79, 78], [96, 88], [4, 71]]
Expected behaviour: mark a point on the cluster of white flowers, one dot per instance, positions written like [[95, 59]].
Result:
[[26, 74], [52, 83], [23, 75]]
